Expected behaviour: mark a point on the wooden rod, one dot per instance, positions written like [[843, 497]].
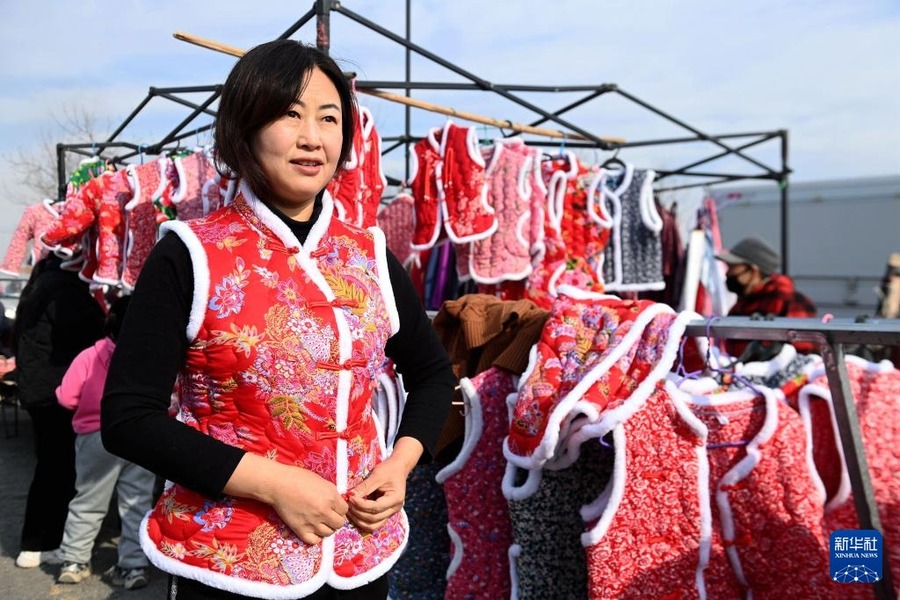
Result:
[[436, 108]]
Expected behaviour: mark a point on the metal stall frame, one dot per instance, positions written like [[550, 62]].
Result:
[[830, 338], [581, 137]]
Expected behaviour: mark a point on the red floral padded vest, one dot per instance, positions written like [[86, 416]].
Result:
[[286, 343]]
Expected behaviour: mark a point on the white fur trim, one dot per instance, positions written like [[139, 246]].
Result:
[[740, 472], [514, 552], [703, 497], [474, 426], [600, 426], [233, 584], [616, 490], [649, 215], [770, 367], [844, 491], [384, 278], [595, 207], [200, 268], [48, 204], [458, 551], [181, 190]]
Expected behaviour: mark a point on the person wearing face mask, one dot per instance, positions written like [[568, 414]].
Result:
[[753, 275]]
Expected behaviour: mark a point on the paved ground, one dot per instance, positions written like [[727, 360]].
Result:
[[16, 467]]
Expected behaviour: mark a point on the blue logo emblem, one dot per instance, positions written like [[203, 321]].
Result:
[[856, 556]]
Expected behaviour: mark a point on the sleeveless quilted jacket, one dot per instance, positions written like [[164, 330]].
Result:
[[286, 343]]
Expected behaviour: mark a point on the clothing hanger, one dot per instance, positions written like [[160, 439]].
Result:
[[613, 161]]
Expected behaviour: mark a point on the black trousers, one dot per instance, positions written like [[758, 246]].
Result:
[[188, 589], [53, 484]]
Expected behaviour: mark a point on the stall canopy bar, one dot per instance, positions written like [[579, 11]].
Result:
[[485, 85], [680, 170], [512, 87], [296, 26], [681, 123]]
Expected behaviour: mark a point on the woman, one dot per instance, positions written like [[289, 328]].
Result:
[[55, 320], [276, 318]]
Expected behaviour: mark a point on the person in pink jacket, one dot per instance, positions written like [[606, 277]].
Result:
[[98, 472]]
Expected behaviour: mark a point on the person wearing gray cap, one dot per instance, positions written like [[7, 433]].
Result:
[[753, 275]]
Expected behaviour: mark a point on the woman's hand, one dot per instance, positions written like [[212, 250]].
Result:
[[382, 493], [310, 505]]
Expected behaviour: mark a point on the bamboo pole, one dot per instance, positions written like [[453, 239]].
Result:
[[436, 108]]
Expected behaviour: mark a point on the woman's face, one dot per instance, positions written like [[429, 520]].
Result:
[[299, 151]]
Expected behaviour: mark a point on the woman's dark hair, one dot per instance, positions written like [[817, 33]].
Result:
[[261, 88], [115, 316]]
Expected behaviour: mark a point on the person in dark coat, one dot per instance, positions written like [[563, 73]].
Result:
[[55, 320]]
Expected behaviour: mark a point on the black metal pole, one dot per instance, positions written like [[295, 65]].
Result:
[[783, 187], [200, 108], [300, 23], [131, 117], [183, 102], [567, 108], [485, 85], [60, 172], [407, 110], [716, 156], [681, 123], [323, 25]]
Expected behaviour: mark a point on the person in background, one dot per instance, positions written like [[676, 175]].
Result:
[[276, 318], [99, 473], [761, 290], [55, 320]]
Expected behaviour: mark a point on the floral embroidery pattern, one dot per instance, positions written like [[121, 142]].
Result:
[[214, 516]]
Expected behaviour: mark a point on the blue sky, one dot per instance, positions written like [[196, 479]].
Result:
[[827, 71]]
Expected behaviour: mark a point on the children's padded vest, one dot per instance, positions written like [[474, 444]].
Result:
[[111, 221], [572, 368], [479, 523], [286, 341], [633, 259], [346, 185], [506, 254], [465, 210], [876, 391], [36, 219], [373, 178], [766, 500], [147, 180], [398, 222], [424, 187]]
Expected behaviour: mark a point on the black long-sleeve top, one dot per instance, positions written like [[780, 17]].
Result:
[[151, 350]]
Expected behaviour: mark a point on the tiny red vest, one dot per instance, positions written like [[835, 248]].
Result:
[[286, 344]]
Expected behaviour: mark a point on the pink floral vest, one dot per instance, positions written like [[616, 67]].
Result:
[[506, 254], [37, 219], [287, 341], [148, 181]]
